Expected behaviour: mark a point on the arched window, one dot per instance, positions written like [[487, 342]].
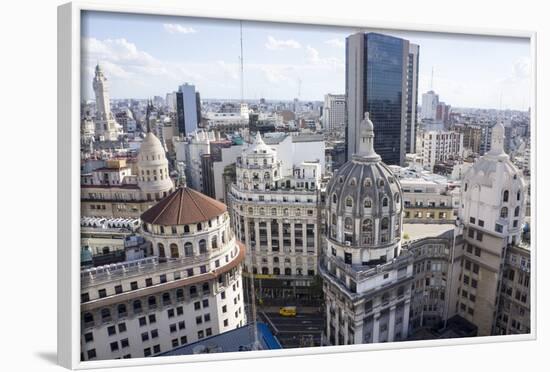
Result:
[[275, 260], [285, 211], [262, 212], [105, 314], [516, 211], [179, 294], [199, 226], [504, 212], [137, 306], [333, 219], [165, 298], [205, 288], [265, 270], [353, 182], [334, 199], [349, 202], [276, 271], [367, 203], [385, 223], [88, 318], [266, 174], [518, 195], [384, 201], [367, 182], [505, 196], [348, 223], [188, 248], [380, 183], [273, 211], [121, 310], [466, 186], [186, 228], [161, 250], [288, 271], [214, 242], [193, 291], [367, 225], [174, 251], [202, 246], [152, 301]]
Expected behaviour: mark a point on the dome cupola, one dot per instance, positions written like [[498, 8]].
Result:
[[153, 176], [364, 204]]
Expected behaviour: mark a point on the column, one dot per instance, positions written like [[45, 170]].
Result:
[[376, 327], [336, 325], [391, 325], [405, 330], [329, 319], [359, 338]]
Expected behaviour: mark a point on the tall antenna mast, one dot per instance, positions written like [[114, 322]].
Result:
[[242, 63]]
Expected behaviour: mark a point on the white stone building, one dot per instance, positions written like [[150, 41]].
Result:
[[277, 217], [367, 281], [106, 127], [188, 287], [439, 146], [334, 111]]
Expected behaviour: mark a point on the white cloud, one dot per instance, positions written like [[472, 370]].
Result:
[[274, 44], [337, 43], [315, 58], [174, 28]]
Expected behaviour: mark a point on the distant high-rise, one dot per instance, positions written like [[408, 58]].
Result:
[[430, 101], [187, 109], [106, 126], [412, 99], [334, 111], [376, 81]]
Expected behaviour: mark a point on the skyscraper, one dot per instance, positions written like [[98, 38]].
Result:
[[187, 109], [376, 81], [334, 111], [412, 98], [430, 101]]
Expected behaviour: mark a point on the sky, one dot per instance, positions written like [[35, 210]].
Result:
[[148, 55]]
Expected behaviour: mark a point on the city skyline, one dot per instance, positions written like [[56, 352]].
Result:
[[143, 57]]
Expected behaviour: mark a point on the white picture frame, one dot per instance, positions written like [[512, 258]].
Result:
[[68, 263]]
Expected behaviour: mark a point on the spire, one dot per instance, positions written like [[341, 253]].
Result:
[[366, 139], [258, 140], [497, 139]]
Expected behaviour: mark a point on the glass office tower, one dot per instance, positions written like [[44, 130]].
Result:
[[376, 81]]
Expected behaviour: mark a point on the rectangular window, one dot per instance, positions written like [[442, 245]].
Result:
[[205, 303], [183, 340], [198, 319], [181, 325], [154, 333], [476, 268], [144, 336], [147, 351], [91, 354], [111, 330], [122, 327], [173, 328], [222, 295], [474, 283], [118, 289], [206, 317], [102, 293], [163, 278], [200, 334], [124, 343], [152, 318], [89, 337], [209, 331], [179, 310], [481, 223], [170, 313], [148, 282], [84, 297], [225, 322], [156, 349], [478, 252], [142, 321], [133, 286], [197, 305]]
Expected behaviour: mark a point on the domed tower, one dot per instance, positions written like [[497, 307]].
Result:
[[258, 167], [191, 233], [491, 214], [153, 177], [364, 212]]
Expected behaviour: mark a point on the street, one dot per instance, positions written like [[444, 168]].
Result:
[[303, 330]]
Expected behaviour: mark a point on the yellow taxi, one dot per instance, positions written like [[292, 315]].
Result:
[[287, 311]]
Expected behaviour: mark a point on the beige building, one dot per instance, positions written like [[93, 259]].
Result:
[[186, 288], [115, 191]]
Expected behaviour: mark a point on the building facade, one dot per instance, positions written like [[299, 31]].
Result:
[[187, 287], [439, 146], [412, 98], [277, 218], [334, 111]]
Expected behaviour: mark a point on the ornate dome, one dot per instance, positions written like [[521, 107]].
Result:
[[364, 200], [152, 166]]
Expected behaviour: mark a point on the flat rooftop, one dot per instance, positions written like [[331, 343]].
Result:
[[425, 230]]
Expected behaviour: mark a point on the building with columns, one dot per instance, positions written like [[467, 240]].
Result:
[[106, 127], [366, 277], [186, 287], [276, 215]]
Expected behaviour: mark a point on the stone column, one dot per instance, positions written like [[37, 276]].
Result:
[[391, 325], [359, 337], [329, 319], [376, 327], [405, 331]]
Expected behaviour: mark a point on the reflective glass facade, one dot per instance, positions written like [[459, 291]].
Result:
[[384, 87]]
